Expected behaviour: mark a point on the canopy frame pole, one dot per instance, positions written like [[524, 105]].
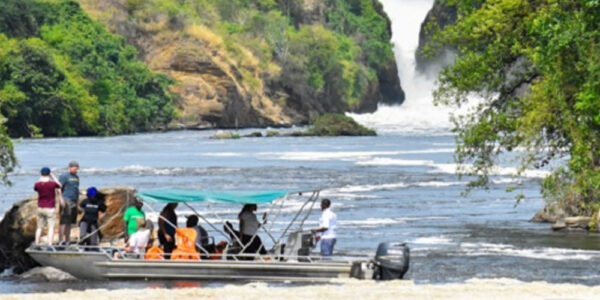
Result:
[[296, 216], [278, 212], [310, 209], [226, 235]]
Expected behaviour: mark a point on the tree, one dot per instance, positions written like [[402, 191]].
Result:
[[536, 67]]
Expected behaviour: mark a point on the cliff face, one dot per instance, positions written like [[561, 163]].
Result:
[[440, 16], [250, 65]]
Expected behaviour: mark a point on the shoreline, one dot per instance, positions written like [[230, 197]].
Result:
[[501, 288]]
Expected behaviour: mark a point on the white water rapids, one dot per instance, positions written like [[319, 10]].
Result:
[[417, 115]]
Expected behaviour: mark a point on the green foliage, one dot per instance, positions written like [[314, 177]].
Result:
[[362, 20], [69, 76], [337, 125], [550, 50]]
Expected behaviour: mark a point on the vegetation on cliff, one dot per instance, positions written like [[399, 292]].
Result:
[[277, 62], [63, 74], [536, 66]]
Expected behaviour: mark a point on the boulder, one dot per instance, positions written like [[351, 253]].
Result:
[[18, 226], [46, 274]]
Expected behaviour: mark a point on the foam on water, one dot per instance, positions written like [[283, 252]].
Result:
[[559, 254]]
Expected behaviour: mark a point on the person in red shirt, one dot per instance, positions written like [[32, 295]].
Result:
[[47, 188]]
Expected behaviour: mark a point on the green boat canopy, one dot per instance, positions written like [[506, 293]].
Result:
[[184, 196]]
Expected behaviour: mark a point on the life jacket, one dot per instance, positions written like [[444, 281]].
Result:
[[185, 239], [178, 254], [154, 253]]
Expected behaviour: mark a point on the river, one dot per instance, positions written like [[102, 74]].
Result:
[[398, 186]]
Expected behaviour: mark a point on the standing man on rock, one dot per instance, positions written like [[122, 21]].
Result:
[[70, 191]]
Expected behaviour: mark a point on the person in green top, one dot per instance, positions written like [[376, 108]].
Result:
[[131, 216]]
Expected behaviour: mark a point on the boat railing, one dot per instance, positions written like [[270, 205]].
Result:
[[121, 254]]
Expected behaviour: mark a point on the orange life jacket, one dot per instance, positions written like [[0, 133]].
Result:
[[154, 253], [185, 239], [178, 254]]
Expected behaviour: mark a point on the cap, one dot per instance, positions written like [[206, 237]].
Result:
[[73, 163], [45, 171], [92, 191]]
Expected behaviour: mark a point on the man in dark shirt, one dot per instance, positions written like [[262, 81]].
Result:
[[70, 190], [47, 187], [93, 210]]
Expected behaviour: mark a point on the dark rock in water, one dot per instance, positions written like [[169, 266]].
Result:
[[549, 214], [17, 230], [46, 274], [254, 134], [337, 125], [18, 226], [559, 226]]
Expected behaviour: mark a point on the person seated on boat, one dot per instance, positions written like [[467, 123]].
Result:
[[93, 210], [139, 241], [202, 238], [167, 224], [132, 215], [249, 226], [327, 225]]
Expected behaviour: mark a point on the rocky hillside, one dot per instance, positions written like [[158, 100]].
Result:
[[257, 63], [438, 17]]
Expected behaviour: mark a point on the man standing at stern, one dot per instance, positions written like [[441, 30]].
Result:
[[68, 212], [327, 225]]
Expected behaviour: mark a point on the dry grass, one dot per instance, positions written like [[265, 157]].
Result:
[[203, 33]]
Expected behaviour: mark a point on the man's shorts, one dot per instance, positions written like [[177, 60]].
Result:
[[46, 217], [68, 213]]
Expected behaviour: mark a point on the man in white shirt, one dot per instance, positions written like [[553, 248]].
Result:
[[327, 225]]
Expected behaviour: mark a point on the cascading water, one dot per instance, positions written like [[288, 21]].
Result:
[[417, 114]]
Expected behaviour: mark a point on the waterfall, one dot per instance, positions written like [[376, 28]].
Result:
[[417, 115]]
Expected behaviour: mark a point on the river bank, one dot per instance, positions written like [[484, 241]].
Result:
[[344, 289]]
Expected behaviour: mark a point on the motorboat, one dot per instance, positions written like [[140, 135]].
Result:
[[289, 258]]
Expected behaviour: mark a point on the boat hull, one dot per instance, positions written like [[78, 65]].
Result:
[[98, 265]]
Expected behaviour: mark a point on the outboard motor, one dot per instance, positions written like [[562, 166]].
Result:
[[391, 260]]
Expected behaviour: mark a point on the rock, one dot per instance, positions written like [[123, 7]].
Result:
[[559, 226], [254, 134], [438, 17], [272, 133], [337, 125], [18, 226], [46, 274], [578, 222], [549, 214], [225, 135]]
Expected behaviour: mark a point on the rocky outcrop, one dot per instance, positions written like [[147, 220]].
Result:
[[18, 226], [561, 219], [440, 16], [222, 84]]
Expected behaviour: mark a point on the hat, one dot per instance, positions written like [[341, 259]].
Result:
[[73, 163], [92, 191], [45, 171]]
